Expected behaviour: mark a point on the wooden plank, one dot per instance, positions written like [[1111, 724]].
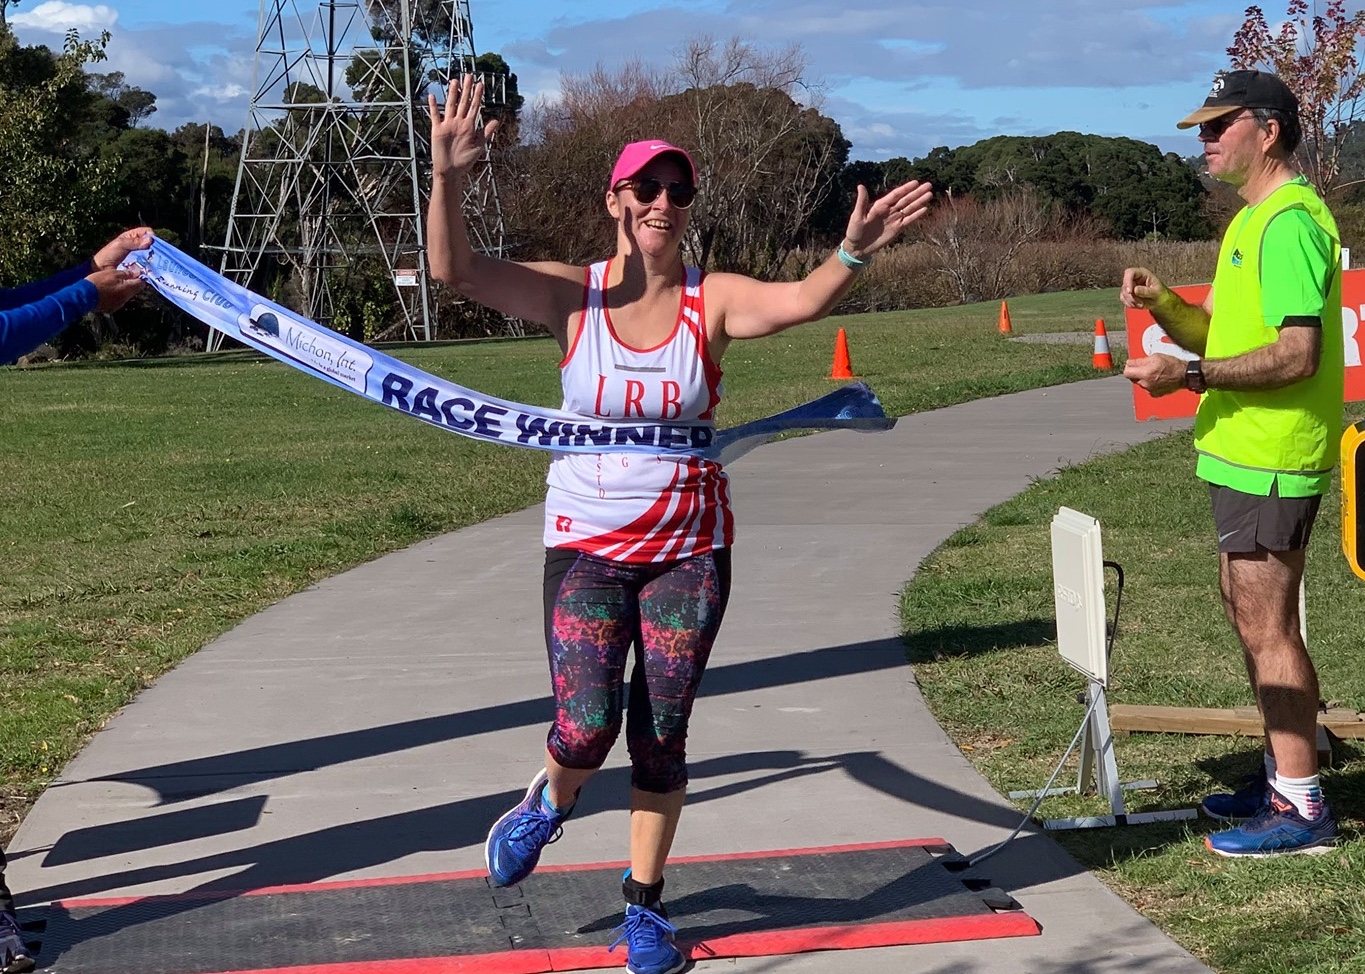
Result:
[[1183, 720], [1344, 714], [1331, 715], [1342, 723]]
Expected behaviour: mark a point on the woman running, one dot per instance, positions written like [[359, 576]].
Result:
[[637, 545]]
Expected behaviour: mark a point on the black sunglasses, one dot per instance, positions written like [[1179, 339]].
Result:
[[647, 191], [1216, 128]]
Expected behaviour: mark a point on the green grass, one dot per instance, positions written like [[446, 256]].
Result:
[[978, 621], [146, 507], [1035, 313]]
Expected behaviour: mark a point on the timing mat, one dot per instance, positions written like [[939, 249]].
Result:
[[562, 918]]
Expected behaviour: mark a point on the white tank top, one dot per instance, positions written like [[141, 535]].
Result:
[[639, 507]]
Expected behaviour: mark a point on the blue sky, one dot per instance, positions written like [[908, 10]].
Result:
[[900, 76]]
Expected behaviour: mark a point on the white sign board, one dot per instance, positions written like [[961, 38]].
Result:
[[1078, 587], [405, 278]]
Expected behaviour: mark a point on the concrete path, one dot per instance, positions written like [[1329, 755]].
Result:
[[376, 724]]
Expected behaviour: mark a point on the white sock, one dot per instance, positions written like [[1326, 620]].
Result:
[[1305, 793]]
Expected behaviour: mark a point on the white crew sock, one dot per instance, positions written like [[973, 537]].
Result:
[[1305, 793]]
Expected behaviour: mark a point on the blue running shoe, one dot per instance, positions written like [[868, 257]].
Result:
[[14, 954], [516, 840], [1241, 804], [1277, 830], [649, 942]]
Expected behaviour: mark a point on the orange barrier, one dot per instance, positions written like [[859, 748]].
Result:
[[1005, 327], [1145, 336]]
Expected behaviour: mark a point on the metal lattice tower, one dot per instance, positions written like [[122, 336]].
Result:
[[336, 161]]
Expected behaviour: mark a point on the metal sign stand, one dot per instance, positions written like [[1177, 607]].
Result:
[[1099, 774], [1078, 575]]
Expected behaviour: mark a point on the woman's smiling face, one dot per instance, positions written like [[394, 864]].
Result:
[[658, 223]]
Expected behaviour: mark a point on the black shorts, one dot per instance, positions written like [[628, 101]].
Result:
[[1247, 522]]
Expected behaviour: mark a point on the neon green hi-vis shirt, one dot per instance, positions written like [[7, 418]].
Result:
[[1280, 259]]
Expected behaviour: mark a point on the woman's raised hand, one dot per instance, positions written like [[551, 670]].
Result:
[[457, 141], [873, 225]]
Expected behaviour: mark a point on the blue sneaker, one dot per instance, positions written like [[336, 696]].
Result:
[[1276, 831], [516, 840], [1242, 804], [14, 954], [649, 942]]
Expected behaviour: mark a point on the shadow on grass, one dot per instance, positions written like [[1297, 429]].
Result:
[[1232, 769], [239, 354], [1101, 849], [236, 356], [1104, 848], [948, 642], [1343, 784]]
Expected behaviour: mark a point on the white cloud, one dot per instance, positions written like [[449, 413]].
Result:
[[199, 71], [880, 134], [220, 93], [987, 43], [931, 72], [58, 17], [899, 76]]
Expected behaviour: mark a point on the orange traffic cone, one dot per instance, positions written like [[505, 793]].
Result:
[[1005, 327], [842, 368], [1102, 359]]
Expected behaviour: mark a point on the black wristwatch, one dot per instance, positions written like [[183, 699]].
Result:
[[1194, 376]]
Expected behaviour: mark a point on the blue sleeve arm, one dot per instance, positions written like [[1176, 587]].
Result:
[[25, 328], [28, 293]]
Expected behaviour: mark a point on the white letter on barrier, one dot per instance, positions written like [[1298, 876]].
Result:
[[1155, 341], [1350, 323]]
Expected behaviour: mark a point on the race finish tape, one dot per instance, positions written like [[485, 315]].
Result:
[[280, 333]]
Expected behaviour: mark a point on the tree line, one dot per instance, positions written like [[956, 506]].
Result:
[[83, 157]]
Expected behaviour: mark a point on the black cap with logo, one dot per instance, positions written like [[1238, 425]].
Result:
[[1233, 90]]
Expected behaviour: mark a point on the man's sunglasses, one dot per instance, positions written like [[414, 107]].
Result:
[[1216, 128], [647, 191]]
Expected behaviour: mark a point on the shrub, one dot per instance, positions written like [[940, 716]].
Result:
[[909, 275]]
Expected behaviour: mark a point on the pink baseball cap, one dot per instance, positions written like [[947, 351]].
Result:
[[637, 155]]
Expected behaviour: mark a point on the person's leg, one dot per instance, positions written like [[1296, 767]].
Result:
[[680, 615], [591, 620], [653, 824], [1253, 794], [1261, 586], [1246, 524], [1264, 590], [1230, 611], [590, 612]]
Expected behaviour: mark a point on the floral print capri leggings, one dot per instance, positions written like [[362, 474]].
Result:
[[595, 611]]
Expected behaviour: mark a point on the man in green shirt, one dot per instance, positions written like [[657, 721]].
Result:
[[1267, 360]]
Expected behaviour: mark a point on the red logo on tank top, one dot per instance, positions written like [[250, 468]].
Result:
[[563, 523], [661, 399]]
